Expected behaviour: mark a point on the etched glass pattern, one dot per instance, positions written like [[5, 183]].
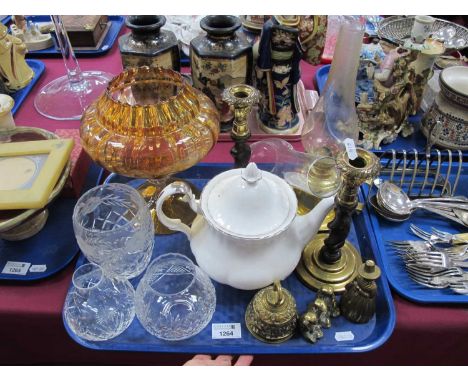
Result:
[[175, 299], [99, 306], [114, 228]]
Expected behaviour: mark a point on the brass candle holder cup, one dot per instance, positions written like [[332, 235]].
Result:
[[242, 98], [331, 259]]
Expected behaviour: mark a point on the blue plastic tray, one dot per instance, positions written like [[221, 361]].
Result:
[[393, 266], [19, 96], [54, 246], [5, 20], [415, 141], [231, 303], [109, 40]]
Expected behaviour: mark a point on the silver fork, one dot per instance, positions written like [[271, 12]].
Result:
[[432, 239], [440, 279], [449, 238], [427, 281], [458, 286], [417, 245], [459, 252], [435, 259], [432, 272]]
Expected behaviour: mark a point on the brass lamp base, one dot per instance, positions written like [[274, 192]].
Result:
[[315, 274], [174, 207]]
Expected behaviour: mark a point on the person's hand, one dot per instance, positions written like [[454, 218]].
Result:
[[221, 360]]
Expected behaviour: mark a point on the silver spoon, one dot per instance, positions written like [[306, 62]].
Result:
[[393, 199]]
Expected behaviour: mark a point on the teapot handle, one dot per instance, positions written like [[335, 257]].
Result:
[[177, 187]]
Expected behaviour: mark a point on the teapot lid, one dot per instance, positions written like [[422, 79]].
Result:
[[249, 203]]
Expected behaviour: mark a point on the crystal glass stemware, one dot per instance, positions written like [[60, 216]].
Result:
[[175, 299], [114, 228], [66, 97], [99, 306]]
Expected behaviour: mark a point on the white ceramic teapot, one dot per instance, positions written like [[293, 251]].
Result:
[[246, 233]]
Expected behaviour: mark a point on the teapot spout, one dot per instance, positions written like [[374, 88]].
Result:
[[306, 226]]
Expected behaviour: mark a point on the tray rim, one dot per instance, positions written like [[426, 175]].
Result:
[[273, 349], [45, 53], [404, 292], [92, 173], [38, 68], [5, 20]]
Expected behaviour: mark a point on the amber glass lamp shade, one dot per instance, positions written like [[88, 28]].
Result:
[[149, 123]]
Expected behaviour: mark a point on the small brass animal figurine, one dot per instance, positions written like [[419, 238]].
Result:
[[318, 315], [326, 294], [310, 327]]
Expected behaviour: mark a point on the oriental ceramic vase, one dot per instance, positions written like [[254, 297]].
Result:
[[220, 59], [148, 45]]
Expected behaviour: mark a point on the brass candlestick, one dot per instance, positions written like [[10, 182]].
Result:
[[242, 98], [331, 259]]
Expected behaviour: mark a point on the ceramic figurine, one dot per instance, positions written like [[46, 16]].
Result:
[[3, 88], [312, 33], [358, 302], [421, 28], [148, 45], [398, 88], [278, 73], [7, 123], [220, 59], [14, 70], [252, 29], [29, 33]]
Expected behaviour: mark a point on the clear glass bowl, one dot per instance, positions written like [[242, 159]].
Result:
[[99, 306], [175, 299], [149, 123], [114, 228]]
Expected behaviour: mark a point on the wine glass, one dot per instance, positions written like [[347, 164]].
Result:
[[66, 97]]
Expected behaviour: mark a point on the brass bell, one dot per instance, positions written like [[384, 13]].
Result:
[[358, 302], [272, 316]]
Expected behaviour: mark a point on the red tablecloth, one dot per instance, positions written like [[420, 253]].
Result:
[[32, 332]]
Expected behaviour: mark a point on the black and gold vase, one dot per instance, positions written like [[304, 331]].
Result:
[[148, 45], [220, 59]]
